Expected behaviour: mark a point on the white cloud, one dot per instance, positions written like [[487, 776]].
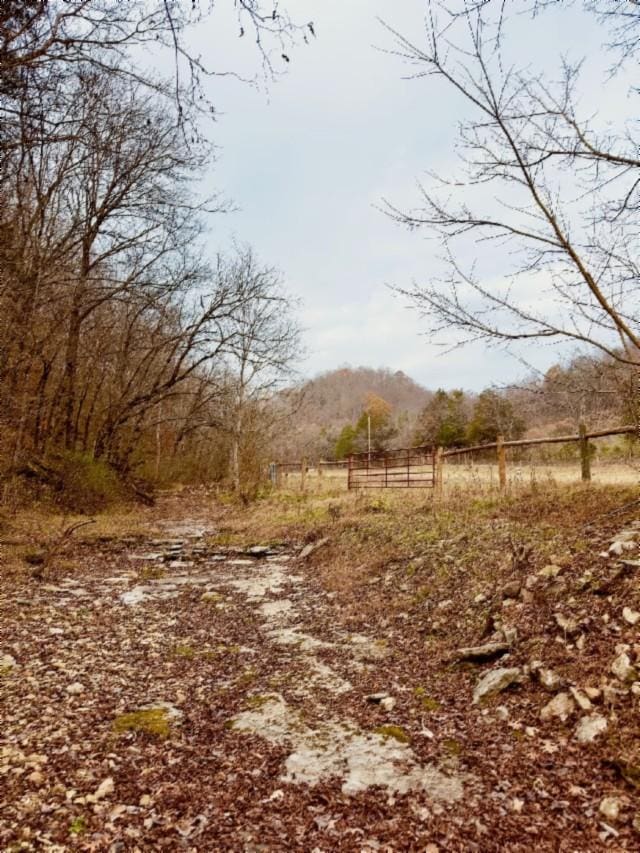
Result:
[[307, 162]]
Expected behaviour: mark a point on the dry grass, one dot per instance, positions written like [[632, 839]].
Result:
[[473, 525], [27, 536]]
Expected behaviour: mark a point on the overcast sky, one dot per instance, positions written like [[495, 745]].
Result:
[[307, 159]]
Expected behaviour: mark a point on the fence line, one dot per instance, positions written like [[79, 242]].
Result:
[[530, 442], [382, 470], [501, 445]]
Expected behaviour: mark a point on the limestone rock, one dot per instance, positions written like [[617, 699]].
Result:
[[618, 547], [630, 616], [593, 693], [550, 679], [581, 699], [75, 689], [622, 668], [312, 547], [590, 727], [511, 589], [487, 652], [609, 808], [377, 698], [259, 551], [7, 663], [566, 623], [495, 681], [510, 634], [561, 706], [550, 571], [105, 789]]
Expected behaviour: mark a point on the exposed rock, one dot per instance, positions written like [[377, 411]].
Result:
[[388, 703], [478, 654], [618, 547], [566, 623], [309, 549], [133, 596], [550, 571], [609, 808], [510, 634], [630, 616], [7, 663], [105, 789], [376, 698], [511, 589], [259, 551], [593, 693], [550, 679], [495, 681], [561, 706], [622, 668], [75, 689], [590, 727], [582, 700]]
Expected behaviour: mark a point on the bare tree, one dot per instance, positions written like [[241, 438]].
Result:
[[544, 194], [260, 357]]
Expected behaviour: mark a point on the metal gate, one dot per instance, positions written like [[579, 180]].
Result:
[[413, 468]]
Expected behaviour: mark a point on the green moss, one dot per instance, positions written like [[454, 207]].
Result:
[[151, 573], [422, 594], [212, 597], [78, 826], [427, 702], [248, 676], [394, 732], [153, 721], [451, 746], [184, 651]]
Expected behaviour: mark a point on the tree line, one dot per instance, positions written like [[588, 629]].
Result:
[[128, 356], [590, 389]]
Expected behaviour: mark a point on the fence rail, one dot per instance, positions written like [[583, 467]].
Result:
[[501, 445], [530, 442], [423, 467]]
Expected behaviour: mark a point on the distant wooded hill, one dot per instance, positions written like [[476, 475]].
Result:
[[331, 417], [338, 397]]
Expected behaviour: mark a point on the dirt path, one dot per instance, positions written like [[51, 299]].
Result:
[[170, 694], [173, 695]]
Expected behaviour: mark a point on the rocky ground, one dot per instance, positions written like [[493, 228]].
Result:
[[172, 693]]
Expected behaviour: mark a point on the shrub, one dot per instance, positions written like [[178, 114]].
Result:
[[89, 484]]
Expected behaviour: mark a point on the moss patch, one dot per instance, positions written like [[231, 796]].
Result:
[[78, 826], [394, 732], [427, 702], [153, 721], [184, 651]]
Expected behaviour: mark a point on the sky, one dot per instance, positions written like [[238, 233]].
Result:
[[308, 158]]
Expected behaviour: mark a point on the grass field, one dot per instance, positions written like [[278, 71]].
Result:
[[483, 477]]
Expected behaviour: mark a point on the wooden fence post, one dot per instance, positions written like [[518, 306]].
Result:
[[439, 474], [585, 458], [502, 463], [303, 473]]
